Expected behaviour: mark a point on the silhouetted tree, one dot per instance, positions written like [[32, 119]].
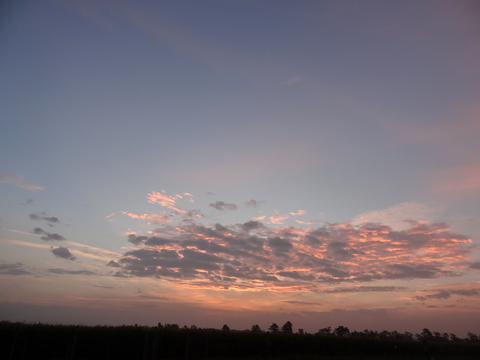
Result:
[[225, 328], [256, 328], [325, 331], [341, 331], [274, 328], [287, 328], [301, 332], [426, 334], [193, 327]]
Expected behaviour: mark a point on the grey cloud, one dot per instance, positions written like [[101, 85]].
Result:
[[220, 205], [251, 225], [412, 271], [13, 269], [367, 289], [59, 271], [296, 302], [46, 236], [42, 217], [63, 253], [445, 294], [254, 203], [475, 265], [279, 245], [114, 264], [312, 240], [135, 240], [296, 275]]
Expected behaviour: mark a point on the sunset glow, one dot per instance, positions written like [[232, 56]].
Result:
[[210, 163]]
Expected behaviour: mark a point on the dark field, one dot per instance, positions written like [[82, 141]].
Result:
[[40, 341]]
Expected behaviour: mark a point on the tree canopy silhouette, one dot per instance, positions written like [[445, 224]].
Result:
[[287, 328]]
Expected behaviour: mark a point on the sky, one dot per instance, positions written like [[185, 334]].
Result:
[[241, 162]]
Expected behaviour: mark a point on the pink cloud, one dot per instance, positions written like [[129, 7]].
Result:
[[259, 217], [157, 219], [18, 180], [310, 222], [457, 179], [299, 213], [164, 200], [278, 218]]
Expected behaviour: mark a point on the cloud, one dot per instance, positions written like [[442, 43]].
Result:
[[63, 253], [277, 218], [446, 294], [113, 263], [13, 269], [46, 236], [43, 217], [164, 200], [355, 289], [156, 219], [254, 203], [19, 181], [253, 255], [395, 216], [220, 205], [299, 213], [261, 217], [60, 271], [457, 179]]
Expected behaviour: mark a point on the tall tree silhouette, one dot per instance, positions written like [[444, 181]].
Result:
[[274, 328], [287, 328]]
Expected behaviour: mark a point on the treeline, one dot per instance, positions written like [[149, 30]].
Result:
[[170, 341]]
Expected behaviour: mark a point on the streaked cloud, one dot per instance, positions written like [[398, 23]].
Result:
[[355, 289], [13, 269], [18, 180]]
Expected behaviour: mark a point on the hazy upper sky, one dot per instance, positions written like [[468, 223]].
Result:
[[241, 162]]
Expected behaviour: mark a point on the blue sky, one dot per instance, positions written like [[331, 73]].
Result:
[[360, 114]]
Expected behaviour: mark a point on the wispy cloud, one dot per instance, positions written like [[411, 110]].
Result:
[[18, 180], [456, 180], [278, 218], [13, 269], [397, 215], [156, 219]]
